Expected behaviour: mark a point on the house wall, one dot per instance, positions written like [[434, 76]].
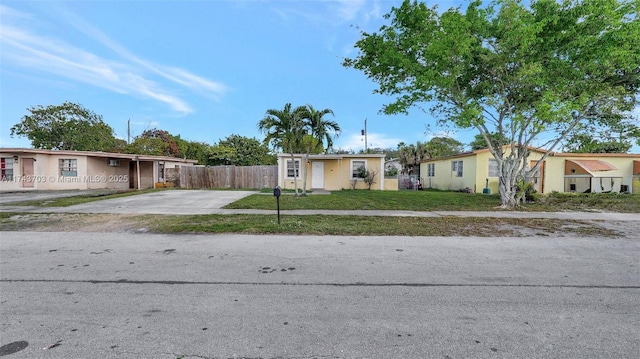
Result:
[[391, 183], [80, 181], [39, 180], [92, 172], [474, 176], [446, 179], [147, 173], [482, 174], [337, 173], [104, 176], [289, 182], [372, 164], [332, 174], [482, 160]]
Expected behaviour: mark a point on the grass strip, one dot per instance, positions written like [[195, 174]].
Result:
[[304, 225], [433, 200], [375, 200]]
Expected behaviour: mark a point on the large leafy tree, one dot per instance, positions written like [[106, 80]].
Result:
[[155, 142], [480, 143], [615, 134], [68, 126], [199, 151], [284, 129], [220, 155], [244, 151], [319, 131], [531, 72], [442, 147]]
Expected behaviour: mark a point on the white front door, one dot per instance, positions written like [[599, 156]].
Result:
[[317, 174]]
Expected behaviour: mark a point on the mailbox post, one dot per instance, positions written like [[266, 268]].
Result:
[[277, 192]]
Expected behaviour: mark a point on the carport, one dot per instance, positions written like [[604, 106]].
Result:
[[594, 176]]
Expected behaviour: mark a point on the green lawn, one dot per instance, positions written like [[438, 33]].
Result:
[[439, 201], [375, 200]]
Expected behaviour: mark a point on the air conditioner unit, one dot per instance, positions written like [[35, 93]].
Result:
[[113, 163]]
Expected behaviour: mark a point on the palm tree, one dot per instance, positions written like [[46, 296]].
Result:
[[320, 130], [284, 129], [410, 156]]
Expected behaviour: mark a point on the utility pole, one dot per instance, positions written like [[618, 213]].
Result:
[[364, 133], [128, 131]]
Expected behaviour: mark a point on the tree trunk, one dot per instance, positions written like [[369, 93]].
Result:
[[304, 174], [508, 183], [295, 178]]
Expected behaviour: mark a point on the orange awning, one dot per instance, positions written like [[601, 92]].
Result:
[[594, 165]]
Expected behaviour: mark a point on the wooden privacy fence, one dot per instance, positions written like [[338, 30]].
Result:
[[236, 177]]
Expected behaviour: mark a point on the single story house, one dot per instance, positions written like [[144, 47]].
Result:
[[560, 172], [33, 169], [333, 172]]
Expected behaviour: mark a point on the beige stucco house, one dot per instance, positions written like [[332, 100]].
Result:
[[560, 172], [32, 169], [332, 172]]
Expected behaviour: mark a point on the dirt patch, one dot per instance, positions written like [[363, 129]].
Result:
[[629, 229], [72, 222]]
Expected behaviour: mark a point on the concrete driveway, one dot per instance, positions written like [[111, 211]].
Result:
[[162, 202]]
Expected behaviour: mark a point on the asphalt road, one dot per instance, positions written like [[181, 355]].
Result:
[[93, 295]]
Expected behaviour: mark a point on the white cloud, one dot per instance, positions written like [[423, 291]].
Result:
[[130, 75], [355, 142], [177, 75], [349, 9]]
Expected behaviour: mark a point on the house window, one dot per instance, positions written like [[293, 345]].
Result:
[[493, 168], [456, 166], [431, 170], [356, 165], [69, 167], [6, 166], [293, 168]]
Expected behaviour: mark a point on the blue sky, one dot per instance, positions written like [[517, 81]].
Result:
[[200, 69]]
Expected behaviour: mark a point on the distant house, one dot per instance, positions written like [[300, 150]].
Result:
[[332, 172], [32, 169], [560, 172]]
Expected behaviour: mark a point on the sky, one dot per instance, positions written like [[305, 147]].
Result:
[[203, 70], [200, 69]]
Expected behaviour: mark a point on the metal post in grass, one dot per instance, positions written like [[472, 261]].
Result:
[[277, 192], [486, 189]]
